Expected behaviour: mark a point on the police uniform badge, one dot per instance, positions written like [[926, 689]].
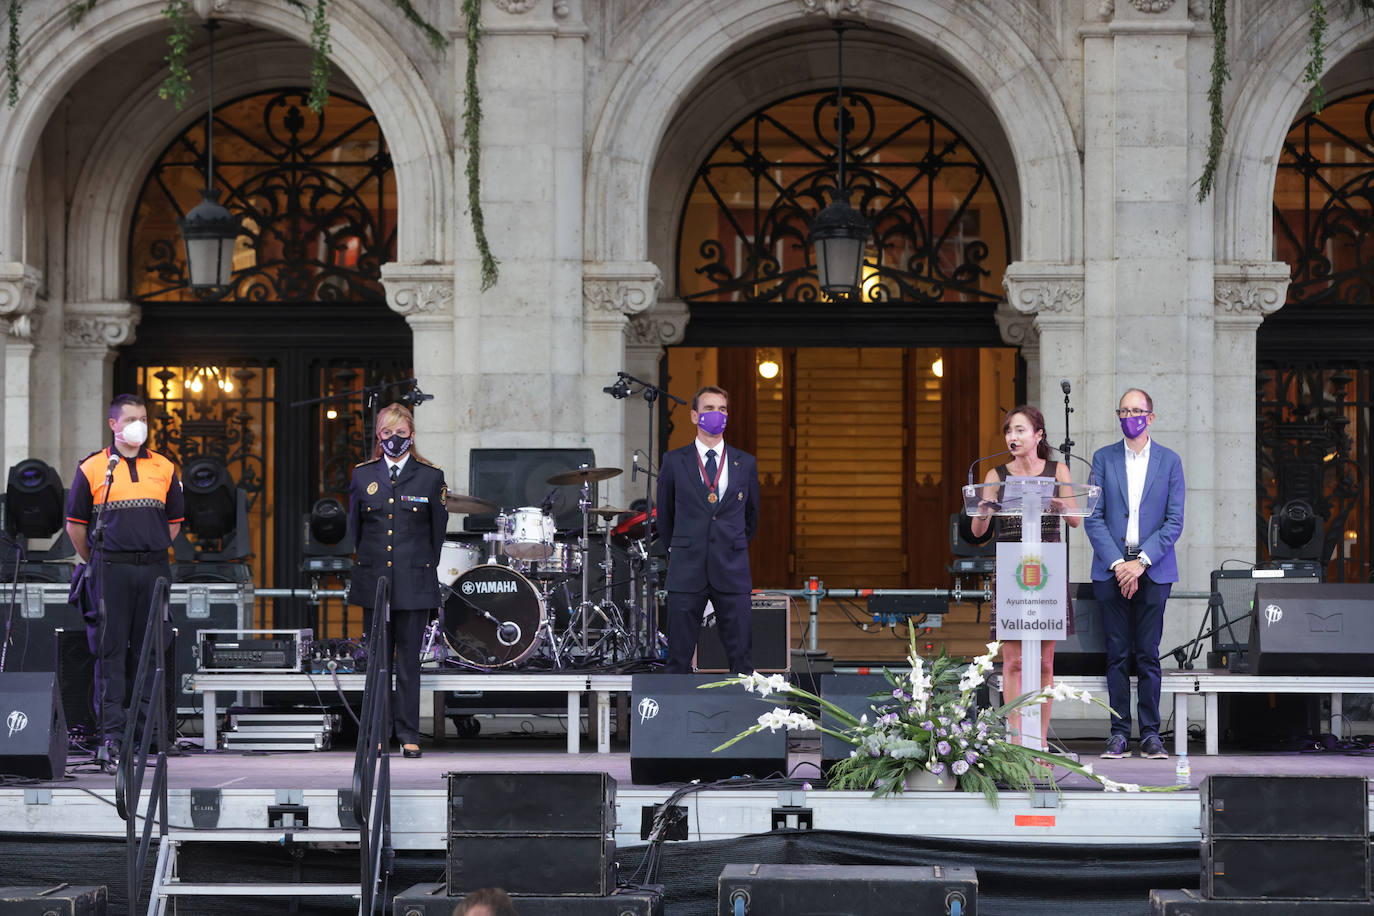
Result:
[[372, 488]]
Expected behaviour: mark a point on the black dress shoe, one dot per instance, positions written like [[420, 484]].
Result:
[[410, 751]]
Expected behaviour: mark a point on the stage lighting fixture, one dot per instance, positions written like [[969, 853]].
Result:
[[326, 543], [1296, 532], [210, 503], [33, 500], [972, 555]]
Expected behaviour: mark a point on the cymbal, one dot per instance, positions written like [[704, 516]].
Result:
[[610, 511], [583, 475], [468, 505]]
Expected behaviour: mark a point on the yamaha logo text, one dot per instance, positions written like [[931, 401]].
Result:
[[489, 588]]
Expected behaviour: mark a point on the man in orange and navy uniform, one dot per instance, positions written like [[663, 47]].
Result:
[[132, 496]]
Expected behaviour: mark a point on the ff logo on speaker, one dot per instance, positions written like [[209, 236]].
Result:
[[16, 721], [648, 708], [1273, 614]]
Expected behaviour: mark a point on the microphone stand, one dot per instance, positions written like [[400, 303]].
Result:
[[95, 542], [1066, 447]]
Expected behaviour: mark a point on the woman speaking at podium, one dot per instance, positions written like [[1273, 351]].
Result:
[[1024, 429]]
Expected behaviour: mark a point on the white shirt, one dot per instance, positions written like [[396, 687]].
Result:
[[1136, 466], [702, 448], [398, 465]]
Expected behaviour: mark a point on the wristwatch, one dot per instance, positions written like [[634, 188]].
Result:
[[1144, 561]]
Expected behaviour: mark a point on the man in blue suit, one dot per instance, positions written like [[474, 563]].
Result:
[[708, 511], [1133, 530]]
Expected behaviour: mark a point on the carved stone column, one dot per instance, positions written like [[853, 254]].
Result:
[[18, 298], [424, 295], [647, 334], [1052, 296], [92, 332], [612, 294], [1244, 293]]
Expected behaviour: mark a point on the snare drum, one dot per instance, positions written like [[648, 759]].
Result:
[[456, 558], [492, 615], [526, 533], [566, 560]]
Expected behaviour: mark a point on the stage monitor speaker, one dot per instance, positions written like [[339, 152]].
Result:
[[1285, 806], [434, 900], [522, 863], [1236, 588], [514, 478], [1323, 628], [674, 727], [854, 694], [1188, 902], [75, 669], [1250, 868], [771, 640], [33, 731], [531, 803], [840, 889], [1085, 652], [59, 900]]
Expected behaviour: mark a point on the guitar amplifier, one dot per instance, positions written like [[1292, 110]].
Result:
[[772, 637], [251, 650]]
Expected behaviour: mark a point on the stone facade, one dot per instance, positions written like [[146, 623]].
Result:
[[1091, 116]]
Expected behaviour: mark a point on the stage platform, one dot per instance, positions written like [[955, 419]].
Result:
[[244, 785]]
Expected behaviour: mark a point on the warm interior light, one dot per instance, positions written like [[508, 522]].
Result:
[[196, 384], [938, 367], [768, 369], [331, 414]]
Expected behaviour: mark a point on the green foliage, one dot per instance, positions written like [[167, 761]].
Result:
[[472, 135], [1316, 57], [177, 86], [1220, 74], [12, 53], [319, 63]]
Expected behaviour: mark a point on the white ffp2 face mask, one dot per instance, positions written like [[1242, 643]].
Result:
[[136, 433]]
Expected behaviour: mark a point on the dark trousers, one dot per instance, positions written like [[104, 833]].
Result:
[[115, 636], [1132, 628], [407, 630], [685, 610]]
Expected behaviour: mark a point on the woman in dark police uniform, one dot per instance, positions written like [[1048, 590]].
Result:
[[397, 516]]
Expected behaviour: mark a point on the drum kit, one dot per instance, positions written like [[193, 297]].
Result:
[[500, 612]]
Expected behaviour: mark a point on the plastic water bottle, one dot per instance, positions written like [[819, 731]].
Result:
[[1183, 773]]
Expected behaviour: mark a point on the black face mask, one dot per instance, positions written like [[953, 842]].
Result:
[[396, 446]]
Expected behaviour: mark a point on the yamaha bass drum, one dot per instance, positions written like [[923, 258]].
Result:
[[492, 615]]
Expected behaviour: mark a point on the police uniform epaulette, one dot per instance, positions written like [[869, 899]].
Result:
[[367, 462], [428, 464]]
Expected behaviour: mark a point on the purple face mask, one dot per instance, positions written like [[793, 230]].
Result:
[[1134, 426], [712, 422], [396, 446]]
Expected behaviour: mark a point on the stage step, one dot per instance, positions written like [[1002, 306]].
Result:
[[167, 887]]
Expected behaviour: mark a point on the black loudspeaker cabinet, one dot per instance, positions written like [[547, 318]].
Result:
[[514, 478], [771, 639], [1267, 721], [75, 669], [860, 889], [1189, 902], [432, 900], [1085, 652], [852, 693], [33, 731], [60, 900], [1231, 618], [522, 863], [38, 610], [1291, 806], [674, 726], [1285, 837], [531, 803], [1322, 628]]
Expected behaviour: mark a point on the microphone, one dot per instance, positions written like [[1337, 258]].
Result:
[[508, 634], [109, 468], [547, 505], [1005, 451], [1064, 385], [634, 466]]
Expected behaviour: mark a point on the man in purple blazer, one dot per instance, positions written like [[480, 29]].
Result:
[[708, 511], [1133, 530]]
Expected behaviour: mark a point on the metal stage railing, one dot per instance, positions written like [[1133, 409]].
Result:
[[150, 685], [372, 759]]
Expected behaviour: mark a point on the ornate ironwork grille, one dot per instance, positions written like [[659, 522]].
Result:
[[939, 235], [1316, 355], [316, 193]]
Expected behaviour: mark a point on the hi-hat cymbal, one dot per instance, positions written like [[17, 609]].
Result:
[[610, 511], [468, 505], [583, 475]]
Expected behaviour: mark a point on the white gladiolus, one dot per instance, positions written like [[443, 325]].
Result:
[[775, 719]]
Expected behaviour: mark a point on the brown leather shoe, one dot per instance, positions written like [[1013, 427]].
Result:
[[410, 751]]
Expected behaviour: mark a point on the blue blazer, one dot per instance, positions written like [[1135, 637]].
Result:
[[1161, 511], [708, 543]]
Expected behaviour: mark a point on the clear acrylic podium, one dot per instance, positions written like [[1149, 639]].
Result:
[[1030, 498]]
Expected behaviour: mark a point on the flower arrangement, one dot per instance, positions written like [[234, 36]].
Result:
[[929, 721]]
